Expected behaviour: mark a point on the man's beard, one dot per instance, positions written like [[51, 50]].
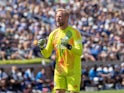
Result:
[[60, 24]]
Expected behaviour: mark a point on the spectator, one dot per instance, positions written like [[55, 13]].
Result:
[[93, 75], [85, 80], [29, 78], [36, 49], [14, 83], [3, 80], [122, 74], [42, 83], [117, 77]]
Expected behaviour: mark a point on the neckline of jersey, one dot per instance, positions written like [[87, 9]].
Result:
[[64, 30]]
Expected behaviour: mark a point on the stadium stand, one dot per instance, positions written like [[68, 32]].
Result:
[[101, 23], [23, 22]]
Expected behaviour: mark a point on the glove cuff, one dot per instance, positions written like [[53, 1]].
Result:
[[69, 46], [42, 48]]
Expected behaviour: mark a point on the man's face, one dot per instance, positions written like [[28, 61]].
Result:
[[60, 19]]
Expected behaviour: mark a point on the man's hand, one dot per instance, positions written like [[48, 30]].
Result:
[[64, 42], [41, 43]]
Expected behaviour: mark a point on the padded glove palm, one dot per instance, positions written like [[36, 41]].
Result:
[[41, 43], [64, 42]]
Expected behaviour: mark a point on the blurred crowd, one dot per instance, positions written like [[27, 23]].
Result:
[[103, 77], [24, 22], [20, 80], [37, 80]]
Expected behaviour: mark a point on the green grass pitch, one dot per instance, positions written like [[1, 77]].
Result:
[[105, 91]]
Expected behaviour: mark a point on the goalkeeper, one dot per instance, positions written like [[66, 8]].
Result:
[[67, 43]]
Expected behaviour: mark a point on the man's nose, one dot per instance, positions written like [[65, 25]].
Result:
[[59, 18]]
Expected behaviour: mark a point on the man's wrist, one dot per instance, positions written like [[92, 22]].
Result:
[[42, 48]]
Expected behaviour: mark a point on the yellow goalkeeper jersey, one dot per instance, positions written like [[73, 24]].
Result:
[[67, 61]]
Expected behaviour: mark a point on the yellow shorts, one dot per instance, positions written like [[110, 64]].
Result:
[[70, 83]]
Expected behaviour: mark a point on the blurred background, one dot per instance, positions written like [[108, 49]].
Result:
[[24, 22]]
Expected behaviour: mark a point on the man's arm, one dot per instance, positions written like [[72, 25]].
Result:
[[77, 48]]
